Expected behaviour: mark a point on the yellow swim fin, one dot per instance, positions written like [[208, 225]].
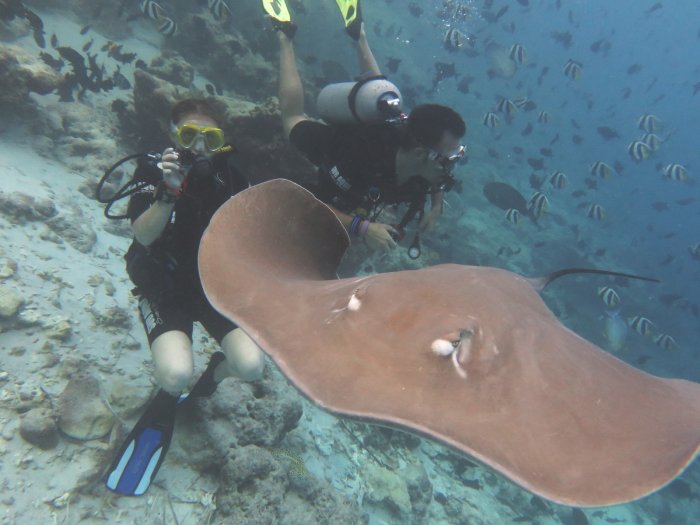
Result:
[[278, 11], [352, 16]]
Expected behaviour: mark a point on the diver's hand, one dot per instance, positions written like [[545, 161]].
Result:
[[173, 174], [379, 236]]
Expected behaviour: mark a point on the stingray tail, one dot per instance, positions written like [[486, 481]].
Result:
[[539, 283]]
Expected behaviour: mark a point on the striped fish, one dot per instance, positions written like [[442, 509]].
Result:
[[219, 9], [596, 211], [521, 101], [600, 169], [676, 172], [641, 325], [506, 106], [152, 10], [167, 27], [558, 180], [538, 204], [491, 120], [572, 69], [543, 117], [651, 140], [518, 54], [649, 123], [609, 296], [665, 342], [638, 150], [513, 215]]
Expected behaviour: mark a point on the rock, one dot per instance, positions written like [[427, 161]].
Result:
[[38, 427], [76, 232], [420, 489], [126, 399], [8, 267], [82, 414], [172, 67], [59, 329], [255, 489], [387, 488], [114, 319], [22, 73], [10, 302], [19, 208]]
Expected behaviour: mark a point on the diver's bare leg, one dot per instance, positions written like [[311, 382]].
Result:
[[291, 92], [368, 64]]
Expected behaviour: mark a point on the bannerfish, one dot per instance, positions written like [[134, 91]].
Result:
[[491, 120], [641, 325], [601, 169], [649, 123], [518, 54], [572, 69], [638, 150], [676, 172], [152, 10], [558, 180], [219, 9], [167, 27], [537, 204], [609, 296], [596, 211]]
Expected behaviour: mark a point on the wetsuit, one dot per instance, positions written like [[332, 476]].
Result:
[[357, 166], [166, 273]]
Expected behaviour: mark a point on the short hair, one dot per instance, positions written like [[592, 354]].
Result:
[[191, 106], [428, 122]]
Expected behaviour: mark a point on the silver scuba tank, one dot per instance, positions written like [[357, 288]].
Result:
[[369, 101]]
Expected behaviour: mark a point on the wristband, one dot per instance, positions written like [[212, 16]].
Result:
[[164, 194], [356, 220]]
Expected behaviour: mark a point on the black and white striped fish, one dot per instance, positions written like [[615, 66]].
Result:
[[666, 342], [639, 150], [676, 172], [601, 169], [651, 140], [609, 296], [167, 27], [518, 54], [649, 123], [453, 39], [219, 9], [596, 211], [506, 106], [491, 120], [572, 69], [641, 325], [538, 204], [152, 10], [558, 180], [513, 215], [543, 117]]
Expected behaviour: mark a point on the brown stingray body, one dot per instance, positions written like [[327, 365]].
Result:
[[521, 393]]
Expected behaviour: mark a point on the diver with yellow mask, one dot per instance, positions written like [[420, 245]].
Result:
[[174, 197], [369, 154]]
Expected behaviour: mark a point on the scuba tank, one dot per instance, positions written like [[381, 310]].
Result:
[[372, 100]]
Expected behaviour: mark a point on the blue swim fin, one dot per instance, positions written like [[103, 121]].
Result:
[[143, 451]]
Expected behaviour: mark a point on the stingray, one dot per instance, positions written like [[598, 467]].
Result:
[[505, 196], [467, 356]]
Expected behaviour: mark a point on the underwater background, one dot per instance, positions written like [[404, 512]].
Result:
[[586, 80]]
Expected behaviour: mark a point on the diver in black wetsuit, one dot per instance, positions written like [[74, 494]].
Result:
[[168, 221]]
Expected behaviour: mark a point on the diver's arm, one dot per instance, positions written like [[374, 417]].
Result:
[[368, 64], [377, 236], [433, 215], [151, 223]]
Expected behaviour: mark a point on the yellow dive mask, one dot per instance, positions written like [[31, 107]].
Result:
[[187, 134]]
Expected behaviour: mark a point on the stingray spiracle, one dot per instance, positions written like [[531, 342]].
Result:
[[456, 345]]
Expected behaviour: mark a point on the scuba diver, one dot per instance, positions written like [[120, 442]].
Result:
[[175, 197], [368, 153]]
